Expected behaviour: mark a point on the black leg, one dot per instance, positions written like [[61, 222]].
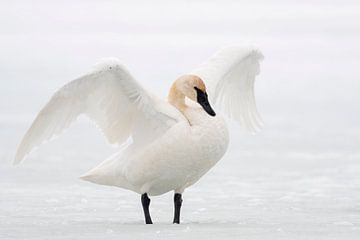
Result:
[[145, 200], [177, 206]]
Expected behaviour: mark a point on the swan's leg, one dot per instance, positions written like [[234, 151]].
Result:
[[177, 205], [145, 200]]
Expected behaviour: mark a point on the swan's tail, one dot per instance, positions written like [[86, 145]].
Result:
[[109, 172]]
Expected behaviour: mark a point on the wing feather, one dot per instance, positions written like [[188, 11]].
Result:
[[230, 77], [110, 97]]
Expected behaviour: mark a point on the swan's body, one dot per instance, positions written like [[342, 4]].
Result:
[[173, 143], [174, 161]]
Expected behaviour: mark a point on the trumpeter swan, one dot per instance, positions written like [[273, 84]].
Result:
[[174, 142]]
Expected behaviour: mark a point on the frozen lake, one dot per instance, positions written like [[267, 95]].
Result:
[[297, 179], [255, 192]]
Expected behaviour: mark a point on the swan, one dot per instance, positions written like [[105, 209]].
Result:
[[165, 145]]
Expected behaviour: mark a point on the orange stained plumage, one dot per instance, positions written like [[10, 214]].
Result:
[[184, 86]]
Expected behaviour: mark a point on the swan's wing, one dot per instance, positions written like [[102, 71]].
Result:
[[230, 76], [109, 96]]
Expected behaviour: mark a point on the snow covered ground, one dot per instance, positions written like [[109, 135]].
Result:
[[297, 179]]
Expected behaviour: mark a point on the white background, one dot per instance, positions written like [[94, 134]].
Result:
[[297, 179]]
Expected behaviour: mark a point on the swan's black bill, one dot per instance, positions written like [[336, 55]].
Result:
[[202, 99]]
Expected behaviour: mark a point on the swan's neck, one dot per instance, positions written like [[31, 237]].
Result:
[[176, 98]]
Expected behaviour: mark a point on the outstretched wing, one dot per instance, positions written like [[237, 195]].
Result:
[[230, 77], [109, 96]]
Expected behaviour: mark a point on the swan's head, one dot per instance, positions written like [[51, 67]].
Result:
[[194, 88]]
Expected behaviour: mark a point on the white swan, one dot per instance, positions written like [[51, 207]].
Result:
[[174, 142]]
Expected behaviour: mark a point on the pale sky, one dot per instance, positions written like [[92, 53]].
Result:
[[311, 49]]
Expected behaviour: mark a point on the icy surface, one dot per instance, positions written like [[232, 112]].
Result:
[[262, 192], [297, 179]]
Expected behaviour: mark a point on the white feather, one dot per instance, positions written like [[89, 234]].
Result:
[[109, 96], [230, 76]]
